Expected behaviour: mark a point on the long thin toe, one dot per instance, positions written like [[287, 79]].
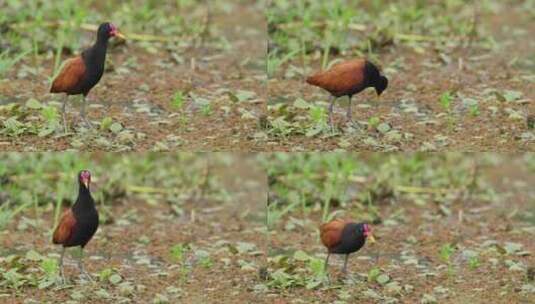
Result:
[[87, 123]]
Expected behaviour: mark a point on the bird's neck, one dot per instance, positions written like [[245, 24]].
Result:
[[96, 55], [84, 201]]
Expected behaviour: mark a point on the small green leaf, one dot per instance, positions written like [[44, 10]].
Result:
[[373, 274], [510, 95], [105, 123], [300, 255], [445, 100], [115, 279], [49, 266], [33, 103], [33, 255], [374, 121], [105, 273], [300, 103], [178, 100], [244, 95], [116, 127], [382, 279], [384, 127], [178, 252]]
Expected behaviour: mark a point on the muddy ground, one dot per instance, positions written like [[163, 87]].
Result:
[[413, 117], [411, 236], [136, 244], [222, 81]]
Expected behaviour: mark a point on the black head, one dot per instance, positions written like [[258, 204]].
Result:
[[107, 30], [381, 84], [84, 179], [375, 79]]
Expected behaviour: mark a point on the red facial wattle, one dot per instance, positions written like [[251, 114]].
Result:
[[113, 30], [367, 230], [85, 178]]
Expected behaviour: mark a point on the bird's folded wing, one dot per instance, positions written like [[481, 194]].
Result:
[[341, 78], [65, 229], [70, 75], [331, 232]]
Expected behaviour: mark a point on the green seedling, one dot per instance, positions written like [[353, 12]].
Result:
[[178, 252], [474, 263], [446, 251], [446, 100], [178, 100]]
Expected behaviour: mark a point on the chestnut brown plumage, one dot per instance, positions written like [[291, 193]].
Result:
[[79, 223], [80, 74], [344, 237], [347, 79]]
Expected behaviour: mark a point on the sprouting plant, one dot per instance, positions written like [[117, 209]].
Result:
[[178, 100], [374, 121], [6, 62], [178, 252], [446, 251], [446, 100], [206, 109], [13, 127], [204, 258], [50, 268], [474, 263], [474, 110]]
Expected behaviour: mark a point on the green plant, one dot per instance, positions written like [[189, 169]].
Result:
[[446, 251], [178, 252], [206, 109], [6, 62], [178, 100], [446, 100], [474, 263]]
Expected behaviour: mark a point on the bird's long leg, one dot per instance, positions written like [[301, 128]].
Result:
[[331, 106], [82, 113], [349, 110], [344, 270], [326, 262], [349, 113], [61, 272], [63, 112], [81, 266]]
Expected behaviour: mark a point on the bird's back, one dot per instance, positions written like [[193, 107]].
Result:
[[346, 78], [331, 232]]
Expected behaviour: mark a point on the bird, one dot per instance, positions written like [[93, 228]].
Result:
[[347, 79], [342, 236], [80, 74], [78, 224]]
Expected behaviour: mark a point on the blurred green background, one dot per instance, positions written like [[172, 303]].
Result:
[[44, 181], [305, 30], [305, 183]]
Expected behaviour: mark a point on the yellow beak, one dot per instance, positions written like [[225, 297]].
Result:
[[120, 35], [86, 183], [371, 238]]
